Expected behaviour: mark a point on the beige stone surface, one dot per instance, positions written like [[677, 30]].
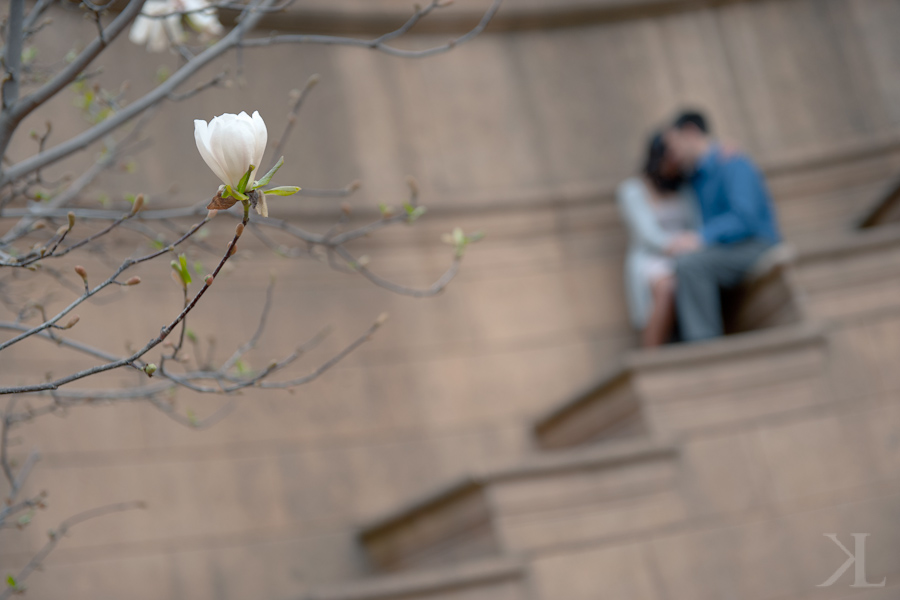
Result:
[[621, 572], [524, 134]]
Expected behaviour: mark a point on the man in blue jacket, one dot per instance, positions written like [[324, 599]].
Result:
[[738, 225]]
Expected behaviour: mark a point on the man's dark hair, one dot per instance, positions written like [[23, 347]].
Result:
[[691, 117]]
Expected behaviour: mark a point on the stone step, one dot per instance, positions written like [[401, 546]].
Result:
[[548, 500], [849, 275], [767, 297], [885, 210], [682, 389], [491, 579]]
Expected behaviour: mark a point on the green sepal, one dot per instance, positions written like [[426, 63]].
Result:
[[285, 190], [242, 184], [413, 212], [230, 193], [180, 267], [185, 274], [268, 176]]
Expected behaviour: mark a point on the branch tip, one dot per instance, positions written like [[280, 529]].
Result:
[[138, 204]]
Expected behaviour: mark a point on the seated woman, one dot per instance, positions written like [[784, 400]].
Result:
[[662, 221]]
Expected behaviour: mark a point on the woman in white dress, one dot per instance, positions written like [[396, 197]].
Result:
[[662, 220]]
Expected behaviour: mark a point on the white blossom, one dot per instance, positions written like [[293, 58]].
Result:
[[230, 143], [158, 33], [202, 18]]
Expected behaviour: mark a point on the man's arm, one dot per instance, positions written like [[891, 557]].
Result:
[[742, 191]]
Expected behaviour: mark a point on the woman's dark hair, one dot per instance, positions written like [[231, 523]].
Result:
[[653, 166]]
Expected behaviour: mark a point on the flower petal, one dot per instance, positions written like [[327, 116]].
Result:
[[261, 136], [204, 21], [174, 31], [140, 30], [157, 38], [262, 208], [201, 137], [232, 144]]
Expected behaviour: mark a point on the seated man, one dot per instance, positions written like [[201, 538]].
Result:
[[738, 225]]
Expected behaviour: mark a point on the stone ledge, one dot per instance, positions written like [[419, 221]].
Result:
[[886, 208], [424, 582], [495, 512], [728, 347], [355, 17], [847, 244], [845, 276], [566, 422], [608, 455], [628, 392]]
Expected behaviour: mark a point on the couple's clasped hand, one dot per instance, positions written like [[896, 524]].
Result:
[[684, 243]]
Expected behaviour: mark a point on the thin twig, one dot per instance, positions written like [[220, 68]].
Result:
[[128, 263], [378, 43], [251, 343], [235, 39], [15, 113], [57, 534], [292, 118]]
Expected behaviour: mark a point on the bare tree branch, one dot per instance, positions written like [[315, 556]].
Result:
[[234, 39], [292, 118], [15, 35], [24, 181], [128, 361], [112, 279], [84, 139], [106, 160], [56, 536], [379, 42], [14, 113]]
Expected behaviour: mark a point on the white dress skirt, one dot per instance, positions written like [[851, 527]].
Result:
[[652, 226]]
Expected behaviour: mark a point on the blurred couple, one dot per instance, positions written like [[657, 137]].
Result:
[[699, 216]]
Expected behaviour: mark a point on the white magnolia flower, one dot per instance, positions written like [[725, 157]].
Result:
[[158, 33], [229, 144], [202, 18]]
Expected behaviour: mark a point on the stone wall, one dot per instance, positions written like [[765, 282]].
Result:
[[522, 133]]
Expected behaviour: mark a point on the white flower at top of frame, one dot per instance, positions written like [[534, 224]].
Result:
[[230, 143], [202, 18], [158, 32]]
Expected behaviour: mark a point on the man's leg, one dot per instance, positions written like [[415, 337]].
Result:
[[699, 278]]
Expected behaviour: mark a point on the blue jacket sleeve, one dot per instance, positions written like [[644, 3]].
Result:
[[638, 215], [742, 184]]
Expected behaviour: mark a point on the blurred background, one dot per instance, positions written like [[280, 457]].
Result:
[[417, 468]]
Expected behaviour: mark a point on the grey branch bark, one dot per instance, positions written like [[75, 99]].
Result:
[[15, 112], [159, 93], [15, 36], [234, 39]]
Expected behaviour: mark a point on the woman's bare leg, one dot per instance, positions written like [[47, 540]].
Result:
[[662, 318]]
